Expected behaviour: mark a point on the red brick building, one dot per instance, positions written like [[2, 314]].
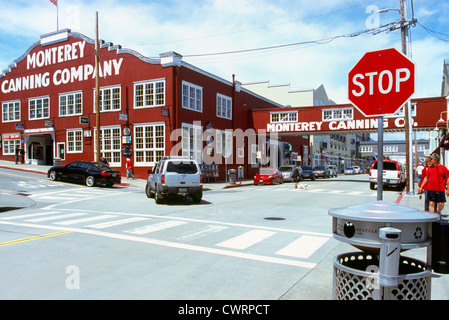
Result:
[[48, 106]]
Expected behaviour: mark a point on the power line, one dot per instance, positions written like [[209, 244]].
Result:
[[435, 34], [384, 28]]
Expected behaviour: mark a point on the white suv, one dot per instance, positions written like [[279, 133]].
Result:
[[393, 174], [175, 176]]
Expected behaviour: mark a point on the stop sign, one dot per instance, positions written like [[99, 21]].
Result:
[[381, 82]]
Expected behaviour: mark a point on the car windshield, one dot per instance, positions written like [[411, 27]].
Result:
[[286, 169], [318, 168], [188, 167], [306, 168], [387, 166], [266, 171]]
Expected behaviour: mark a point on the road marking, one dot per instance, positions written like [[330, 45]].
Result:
[[29, 215], [175, 245], [115, 223], [57, 217], [303, 247], [202, 233], [48, 235], [82, 220], [246, 239], [156, 227], [47, 180]]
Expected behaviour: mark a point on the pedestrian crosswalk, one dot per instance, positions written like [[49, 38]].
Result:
[[289, 187], [269, 244]]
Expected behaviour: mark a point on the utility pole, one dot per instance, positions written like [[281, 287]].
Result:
[[407, 111], [97, 90]]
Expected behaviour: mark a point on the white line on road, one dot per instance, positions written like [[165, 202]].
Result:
[[57, 217], [156, 227], [70, 222], [115, 223], [303, 247], [246, 239]]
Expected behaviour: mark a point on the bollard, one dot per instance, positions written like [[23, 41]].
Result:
[[390, 249]]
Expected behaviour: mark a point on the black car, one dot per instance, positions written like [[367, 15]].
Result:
[[90, 173], [321, 171], [307, 173]]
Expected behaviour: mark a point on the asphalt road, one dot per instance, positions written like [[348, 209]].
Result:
[[253, 242]]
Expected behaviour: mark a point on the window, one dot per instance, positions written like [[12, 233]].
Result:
[[39, 108], [110, 145], [75, 141], [337, 114], [11, 111], [224, 106], [366, 149], [284, 117], [149, 144], [224, 143], [192, 142], [70, 104], [391, 148], [109, 99], [192, 97], [149, 94], [10, 143]]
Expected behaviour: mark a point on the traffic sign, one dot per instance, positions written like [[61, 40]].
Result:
[[381, 82]]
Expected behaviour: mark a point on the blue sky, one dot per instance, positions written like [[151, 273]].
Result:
[[193, 27]]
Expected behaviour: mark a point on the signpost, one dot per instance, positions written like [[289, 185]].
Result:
[[379, 84]]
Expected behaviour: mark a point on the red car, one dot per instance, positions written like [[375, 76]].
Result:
[[268, 176]]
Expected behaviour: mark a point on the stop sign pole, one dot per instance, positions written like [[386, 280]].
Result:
[[379, 84]]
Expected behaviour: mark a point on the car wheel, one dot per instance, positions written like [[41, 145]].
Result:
[[53, 176], [313, 178], [196, 198], [158, 197], [90, 181], [148, 192]]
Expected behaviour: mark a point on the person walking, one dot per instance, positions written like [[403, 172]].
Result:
[[421, 180], [296, 176], [129, 168], [436, 181]]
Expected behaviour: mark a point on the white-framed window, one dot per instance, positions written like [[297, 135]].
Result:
[[338, 114], [110, 99], [39, 108], [223, 143], [149, 94], [192, 97], [11, 111], [75, 141], [224, 106], [110, 145], [9, 143], [149, 143], [366, 149], [192, 142], [391, 148], [70, 104], [291, 116]]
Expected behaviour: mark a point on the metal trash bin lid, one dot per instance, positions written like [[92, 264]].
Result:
[[359, 224]]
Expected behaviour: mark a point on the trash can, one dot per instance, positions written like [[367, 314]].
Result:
[[57, 162], [232, 176], [440, 246], [382, 230]]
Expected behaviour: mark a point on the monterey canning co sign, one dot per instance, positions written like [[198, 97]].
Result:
[[57, 55]]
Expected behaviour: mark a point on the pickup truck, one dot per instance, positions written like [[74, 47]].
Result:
[[393, 174]]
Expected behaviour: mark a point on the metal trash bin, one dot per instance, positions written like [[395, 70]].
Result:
[[355, 279], [57, 162], [232, 176], [440, 247], [382, 230]]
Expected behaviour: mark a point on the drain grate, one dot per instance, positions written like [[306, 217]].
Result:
[[274, 218]]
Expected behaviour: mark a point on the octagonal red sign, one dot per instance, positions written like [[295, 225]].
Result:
[[381, 82]]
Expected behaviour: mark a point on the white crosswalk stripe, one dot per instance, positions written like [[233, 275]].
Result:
[[233, 239]]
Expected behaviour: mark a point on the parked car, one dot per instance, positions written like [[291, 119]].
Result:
[[333, 170], [357, 169], [307, 173], [287, 172], [268, 176], [393, 174], [321, 171], [90, 173], [175, 176], [349, 170]]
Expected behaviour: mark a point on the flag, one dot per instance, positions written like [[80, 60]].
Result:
[[55, 2]]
